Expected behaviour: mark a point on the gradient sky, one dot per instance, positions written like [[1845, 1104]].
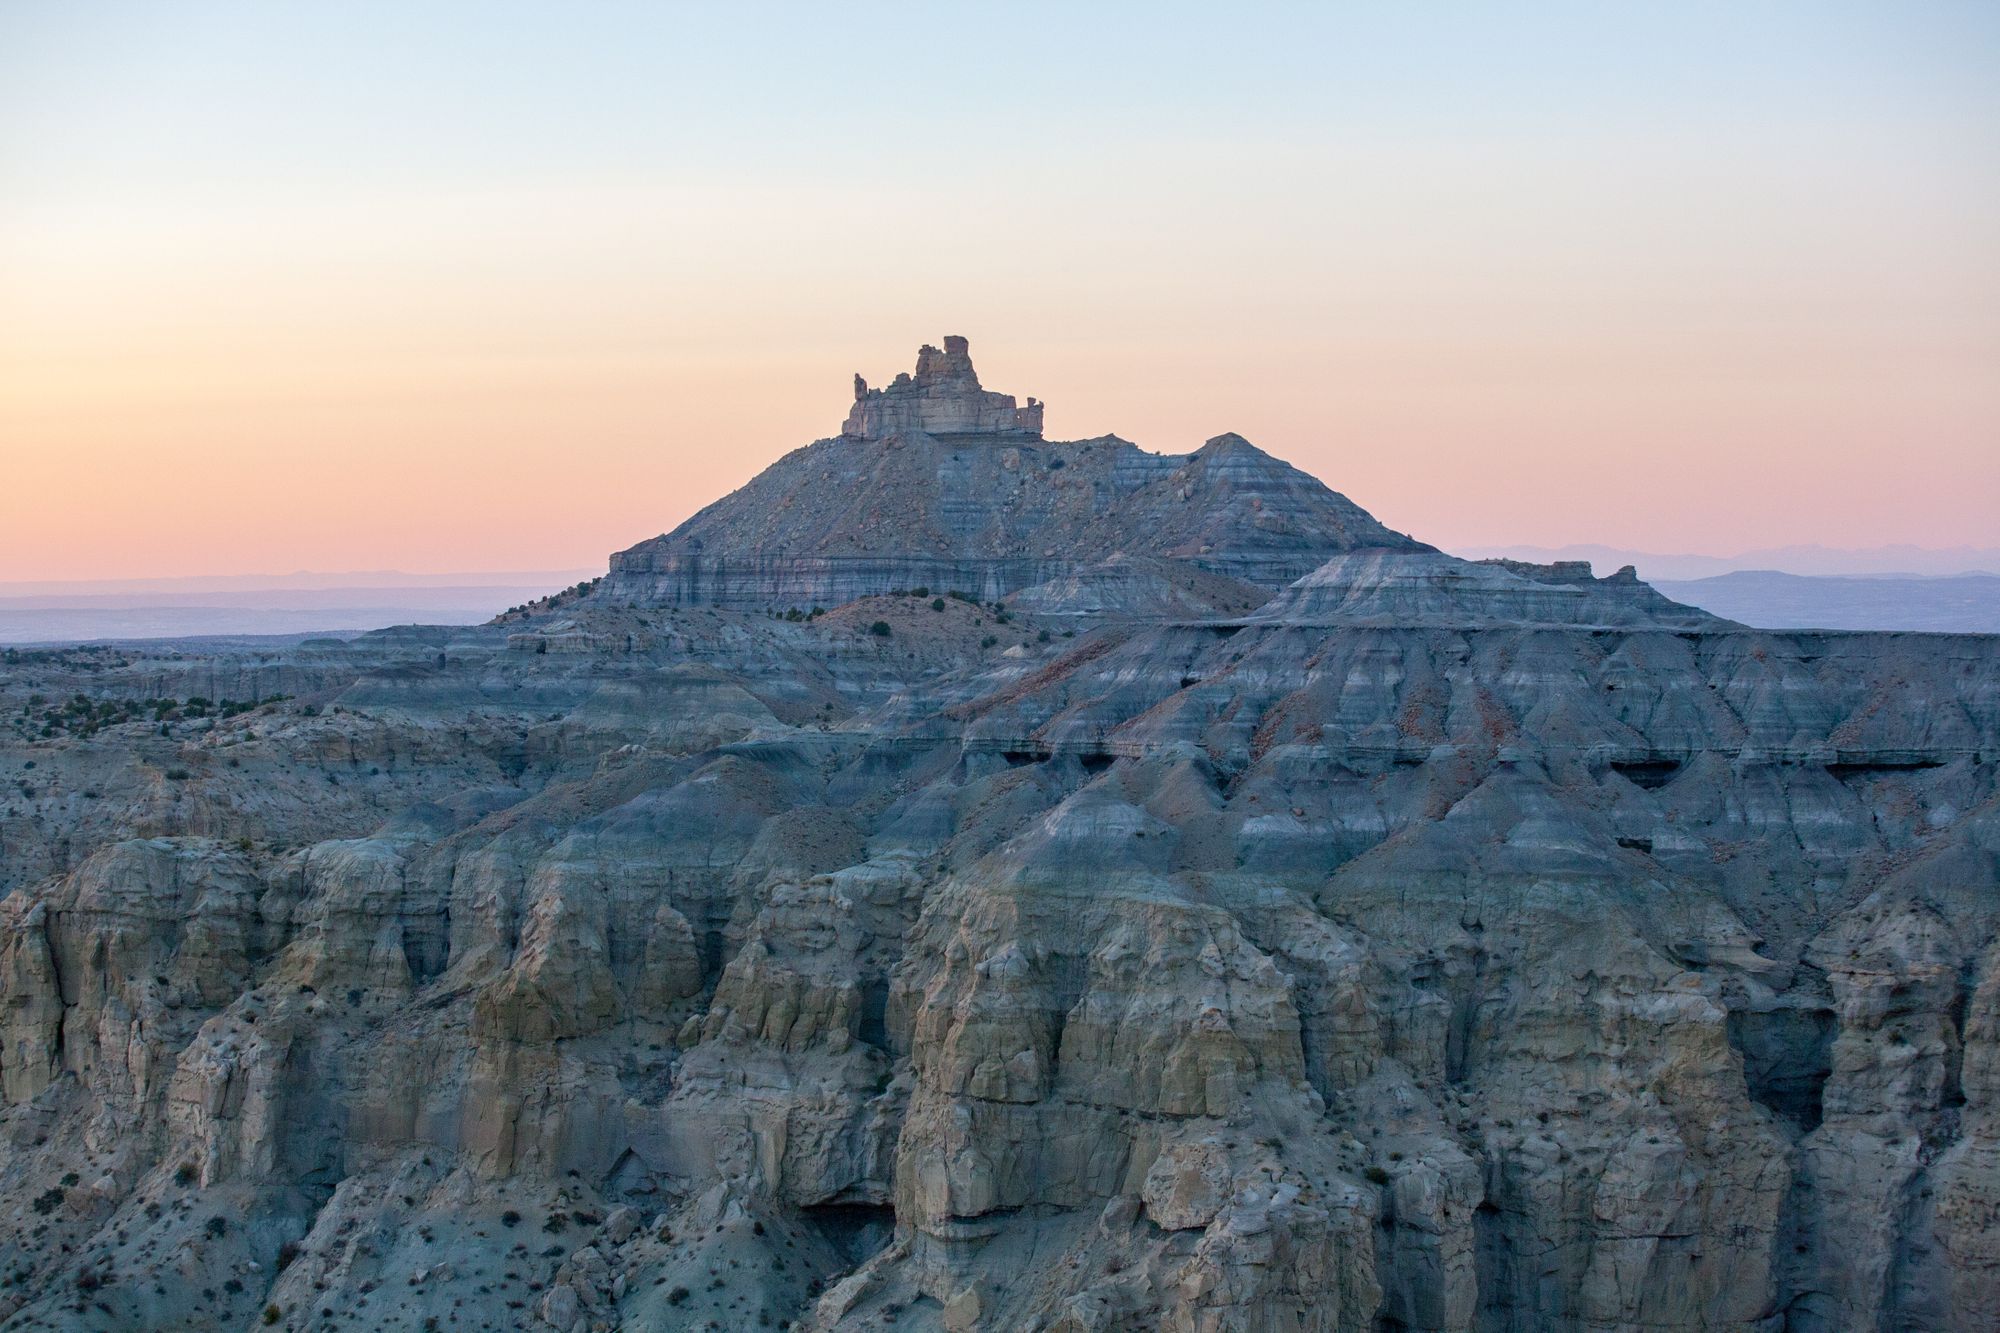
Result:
[[436, 286]]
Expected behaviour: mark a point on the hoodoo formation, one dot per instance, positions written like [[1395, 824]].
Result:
[[963, 880], [942, 398]]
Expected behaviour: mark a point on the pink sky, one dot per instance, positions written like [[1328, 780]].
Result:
[[1703, 316]]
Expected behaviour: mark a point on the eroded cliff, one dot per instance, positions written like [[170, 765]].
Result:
[[1426, 946]]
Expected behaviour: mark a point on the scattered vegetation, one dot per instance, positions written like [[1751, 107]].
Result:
[[69, 659], [82, 717], [553, 600]]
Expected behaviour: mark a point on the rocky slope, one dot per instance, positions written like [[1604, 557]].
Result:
[[1425, 946], [935, 495]]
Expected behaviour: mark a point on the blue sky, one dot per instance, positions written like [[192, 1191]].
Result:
[[1519, 242]]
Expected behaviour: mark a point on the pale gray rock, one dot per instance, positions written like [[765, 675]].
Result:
[[935, 485], [1264, 922]]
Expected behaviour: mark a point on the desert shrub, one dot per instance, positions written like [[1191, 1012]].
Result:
[[880, 629]]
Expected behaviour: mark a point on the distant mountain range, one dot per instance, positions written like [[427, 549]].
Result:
[[1768, 599], [1945, 589], [1807, 560]]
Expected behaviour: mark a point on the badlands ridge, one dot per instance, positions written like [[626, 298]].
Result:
[[967, 881]]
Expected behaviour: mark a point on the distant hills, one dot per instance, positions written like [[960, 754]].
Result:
[[251, 604], [1952, 589], [300, 604], [1769, 599], [1949, 589], [1864, 562]]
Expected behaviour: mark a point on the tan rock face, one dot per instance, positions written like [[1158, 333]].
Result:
[[1435, 948], [942, 398]]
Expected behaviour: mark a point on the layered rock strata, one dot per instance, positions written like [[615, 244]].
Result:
[[930, 486], [1427, 946], [942, 398]]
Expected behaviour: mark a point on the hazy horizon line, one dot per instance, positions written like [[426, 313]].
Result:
[[407, 578]]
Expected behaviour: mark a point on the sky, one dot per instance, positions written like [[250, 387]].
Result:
[[458, 286]]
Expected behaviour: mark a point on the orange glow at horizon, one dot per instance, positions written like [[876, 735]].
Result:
[[1700, 340]]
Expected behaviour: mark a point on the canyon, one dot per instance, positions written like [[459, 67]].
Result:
[[962, 881]]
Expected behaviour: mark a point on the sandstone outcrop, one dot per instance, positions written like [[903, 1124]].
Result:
[[936, 484], [942, 398]]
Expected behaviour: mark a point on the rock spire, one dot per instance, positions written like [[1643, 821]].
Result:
[[942, 398]]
